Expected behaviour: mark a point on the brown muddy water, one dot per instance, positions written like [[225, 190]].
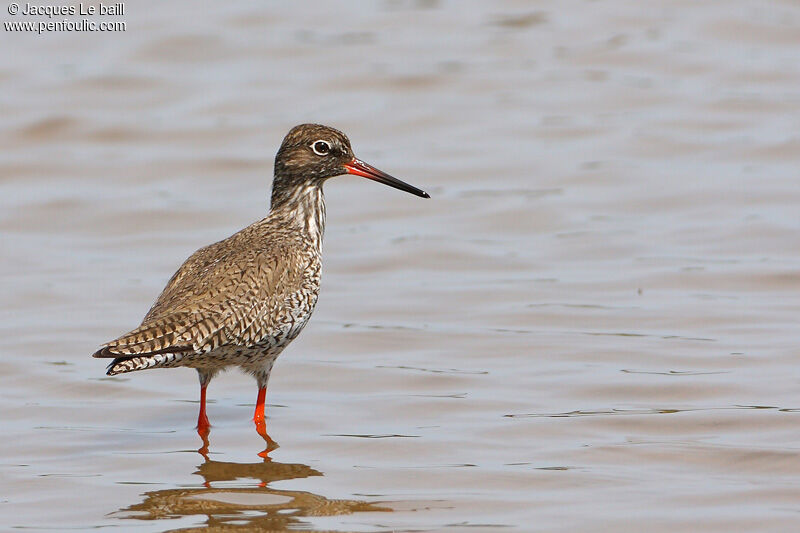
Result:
[[591, 326]]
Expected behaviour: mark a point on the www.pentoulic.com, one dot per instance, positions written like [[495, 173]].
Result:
[[43, 26]]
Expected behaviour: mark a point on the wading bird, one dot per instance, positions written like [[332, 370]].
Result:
[[242, 300]]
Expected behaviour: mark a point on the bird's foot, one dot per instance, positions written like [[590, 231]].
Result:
[[261, 429], [204, 431]]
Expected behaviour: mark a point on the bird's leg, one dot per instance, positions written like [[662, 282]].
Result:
[[258, 416], [261, 424], [203, 426]]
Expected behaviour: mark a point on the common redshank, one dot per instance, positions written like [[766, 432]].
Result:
[[242, 300]]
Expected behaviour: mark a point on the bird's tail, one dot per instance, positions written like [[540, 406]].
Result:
[[120, 365], [158, 343]]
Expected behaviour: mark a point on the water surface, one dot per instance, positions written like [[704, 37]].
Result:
[[591, 326]]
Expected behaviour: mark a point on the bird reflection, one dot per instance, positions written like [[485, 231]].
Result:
[[252, 506]]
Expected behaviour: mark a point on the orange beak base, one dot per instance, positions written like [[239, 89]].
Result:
[[360, 168]]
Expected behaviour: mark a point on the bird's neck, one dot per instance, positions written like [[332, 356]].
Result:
[[304, 207]]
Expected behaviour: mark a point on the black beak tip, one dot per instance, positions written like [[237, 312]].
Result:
[[425, 195]]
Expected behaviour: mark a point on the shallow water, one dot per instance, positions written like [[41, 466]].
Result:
[[592, 326]]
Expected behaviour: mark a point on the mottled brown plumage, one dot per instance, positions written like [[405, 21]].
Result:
[[240, 301]]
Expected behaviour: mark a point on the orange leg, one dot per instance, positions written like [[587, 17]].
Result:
[[203, 427], [261, 424], [258, 416]]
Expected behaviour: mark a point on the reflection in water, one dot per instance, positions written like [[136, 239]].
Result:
[[250, 507]]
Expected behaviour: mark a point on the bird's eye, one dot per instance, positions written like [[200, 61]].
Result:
[[321, 148]]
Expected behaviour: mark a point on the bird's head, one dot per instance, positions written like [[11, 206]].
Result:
[[313, 153]]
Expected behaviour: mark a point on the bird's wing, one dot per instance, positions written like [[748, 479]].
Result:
[[220, 295], [169, 334]]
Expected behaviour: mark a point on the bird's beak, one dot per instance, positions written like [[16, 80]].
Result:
[[359, 168]]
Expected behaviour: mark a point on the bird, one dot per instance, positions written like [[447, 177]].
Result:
[[242, 300]]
